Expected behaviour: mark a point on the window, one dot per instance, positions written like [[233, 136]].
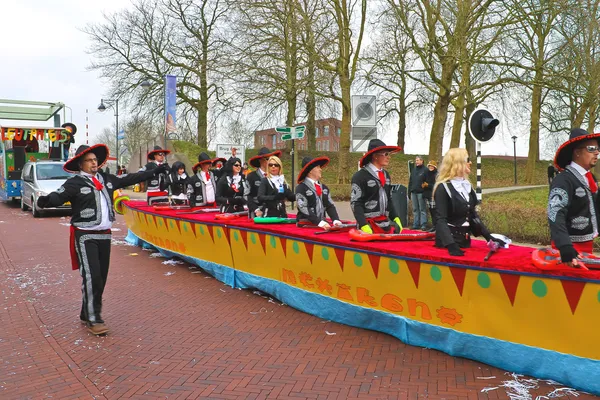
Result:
[[326, 130], [274, 141], [318, 146], [316, 132], [339, 131]]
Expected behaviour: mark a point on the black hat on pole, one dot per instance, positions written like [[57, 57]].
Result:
[[100, 150]]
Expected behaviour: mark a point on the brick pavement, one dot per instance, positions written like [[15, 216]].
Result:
[[177, 333]]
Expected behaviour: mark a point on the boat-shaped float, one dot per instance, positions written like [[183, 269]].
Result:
[[504, 312]]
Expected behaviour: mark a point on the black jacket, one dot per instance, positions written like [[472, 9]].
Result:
[[85, 199], [312, 207], [177, 185], [198, 197], [367, 200], [228, 198], [452, 212], [415, 180], [253, 180], [572, 209], [154, 182], [271, 201]]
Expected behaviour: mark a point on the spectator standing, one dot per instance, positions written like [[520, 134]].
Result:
[[415, 191], [427, 183]]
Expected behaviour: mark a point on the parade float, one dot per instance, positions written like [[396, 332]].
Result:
[[506, 311]]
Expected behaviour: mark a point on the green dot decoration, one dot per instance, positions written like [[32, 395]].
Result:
[[483, 279], [325, 254], [219, 234], [539, 288], [296, 247], [436, 273], [201, 230], [253, 238], [394, 267], [236, 236], [358, 260], [273, 242]]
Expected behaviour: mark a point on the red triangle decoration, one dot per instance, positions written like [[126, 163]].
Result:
[[309, 249], [459, 278], [339, 253], [415, 269], [374, 259], [244, 235], [573, 290], [210, 231], [263, 241], [511, 283], [226, 233], [154, 218], [178, 225], [283, 245], [193, 228]]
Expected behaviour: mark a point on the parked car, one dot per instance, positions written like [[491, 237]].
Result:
[[40, 178]]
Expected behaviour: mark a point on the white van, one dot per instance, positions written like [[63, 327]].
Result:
[[39, 178]]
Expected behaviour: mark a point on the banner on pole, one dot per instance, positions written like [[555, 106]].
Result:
[[170, 104]]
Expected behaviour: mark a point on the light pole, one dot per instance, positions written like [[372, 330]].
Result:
[[514, 139], [102, 107]]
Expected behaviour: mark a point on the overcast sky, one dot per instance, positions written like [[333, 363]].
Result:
[[44, 58]]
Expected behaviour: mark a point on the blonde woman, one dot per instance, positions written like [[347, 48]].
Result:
[[455, 203], [274, 190]]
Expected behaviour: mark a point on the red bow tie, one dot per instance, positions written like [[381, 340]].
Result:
[[99, 186], [591, 182], [207, 175], [318, 189], [381, 178]]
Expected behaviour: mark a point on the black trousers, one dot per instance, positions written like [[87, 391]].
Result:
[[93, 253]]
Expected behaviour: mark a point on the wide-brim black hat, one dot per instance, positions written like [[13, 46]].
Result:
[[308, 163], [70, 127], [203, 158], [100, 150], [214, 161], [376, 145], [157, 149], [263, 153], [564, 154]]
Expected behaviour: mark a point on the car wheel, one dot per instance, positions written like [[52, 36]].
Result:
[[36, 212], [24, 206]]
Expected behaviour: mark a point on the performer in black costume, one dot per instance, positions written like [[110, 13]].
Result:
[[573, 199], [203, 182], [274, 190], [72, 130], [90, 193], [218, 167], [155, 191], [371, 198], [313, 197], [455, 202], [230, 187], [254, 178], [428, 183], [178, 184]]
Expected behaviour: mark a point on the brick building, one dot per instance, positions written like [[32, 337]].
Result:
[[327, 136]]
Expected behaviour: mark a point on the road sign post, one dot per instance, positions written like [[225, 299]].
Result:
[[292, 133]]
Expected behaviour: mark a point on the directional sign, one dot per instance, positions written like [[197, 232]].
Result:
[[291, 132]]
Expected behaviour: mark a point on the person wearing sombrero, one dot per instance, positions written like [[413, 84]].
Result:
[[90, 193], [313, 198], [572, 202], [203, 182], [254, 178], [70, 131], [155, 187], [216, 167], [371, 198]]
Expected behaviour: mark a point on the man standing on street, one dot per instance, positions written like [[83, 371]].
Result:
[[415, 191], [90, 193]]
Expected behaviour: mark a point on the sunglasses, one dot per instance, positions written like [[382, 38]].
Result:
[[160, 154], [386, 154], [273, 165], [591, 149], [237, 165]]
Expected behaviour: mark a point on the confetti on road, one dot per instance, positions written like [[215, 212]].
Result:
[[133, 254], [169, 273], [330, 333]]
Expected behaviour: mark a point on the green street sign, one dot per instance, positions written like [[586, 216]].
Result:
[[291, 132]]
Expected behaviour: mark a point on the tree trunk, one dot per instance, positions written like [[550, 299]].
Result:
[[311, 107], [534, 132], [469, 141], [402, 115], [593, 115], [440, 112], [343, 165], [459, 109], [202, 108]]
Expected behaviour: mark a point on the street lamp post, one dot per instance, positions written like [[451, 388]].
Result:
[[514, 139], [102, 107]]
